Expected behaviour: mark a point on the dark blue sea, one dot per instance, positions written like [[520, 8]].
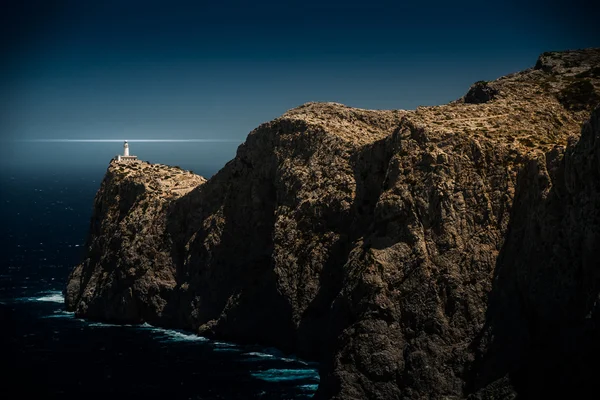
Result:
[[48, 353]]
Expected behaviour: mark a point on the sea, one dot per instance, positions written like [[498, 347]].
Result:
[[48, 353]]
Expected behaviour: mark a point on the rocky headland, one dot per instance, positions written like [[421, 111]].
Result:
[[446, 252]]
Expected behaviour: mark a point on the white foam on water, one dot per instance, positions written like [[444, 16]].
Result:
[[224, 344], [102, 325], [162, 334], [309, 388], [257, 356], [54, 298], [172, 335], [60, 314], [176, 336], [281, 375], [260, 355], [294, 360], [226, 347], [50, 297], [272, 350]]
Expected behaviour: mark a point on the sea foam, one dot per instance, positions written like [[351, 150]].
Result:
[[172, 335], [60, 314], [48, 297], [53, 297], [281, 375]]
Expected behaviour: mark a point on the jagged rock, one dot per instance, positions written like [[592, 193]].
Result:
[[560, 62], [480, 92], [579, 95], [433, 253]]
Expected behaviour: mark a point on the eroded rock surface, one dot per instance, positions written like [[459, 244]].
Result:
[[128, 272], [480, 92], [415, 254], [543, 320]]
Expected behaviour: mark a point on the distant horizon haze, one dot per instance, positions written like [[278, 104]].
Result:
[[215, 71]]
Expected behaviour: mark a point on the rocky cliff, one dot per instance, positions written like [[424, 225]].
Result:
[[444, 252]]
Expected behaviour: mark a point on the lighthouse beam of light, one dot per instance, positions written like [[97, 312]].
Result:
[[130, 140]]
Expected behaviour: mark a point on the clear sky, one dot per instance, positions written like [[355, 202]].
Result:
[[122, 69]]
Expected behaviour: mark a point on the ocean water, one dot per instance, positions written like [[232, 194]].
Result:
[[48, 353]]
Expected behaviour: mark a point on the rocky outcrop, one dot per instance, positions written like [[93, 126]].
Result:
[[480, 92], [415, 254], [128, 272]]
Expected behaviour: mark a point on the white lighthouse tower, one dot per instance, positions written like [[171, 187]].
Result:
[[126, 157]]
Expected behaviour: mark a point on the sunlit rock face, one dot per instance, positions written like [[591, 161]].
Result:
[[444, 252]]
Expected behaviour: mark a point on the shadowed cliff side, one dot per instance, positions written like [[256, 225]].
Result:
[[259, 256], [370, 240], [127, 274], [543, 318]]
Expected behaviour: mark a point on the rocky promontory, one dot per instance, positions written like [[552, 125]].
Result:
[[445, 252]]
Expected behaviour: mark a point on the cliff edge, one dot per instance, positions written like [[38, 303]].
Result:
[[444, 252], [128, 269]]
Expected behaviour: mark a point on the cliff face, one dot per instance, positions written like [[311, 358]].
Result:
[[128, 273], [444, 252], [543, 318]]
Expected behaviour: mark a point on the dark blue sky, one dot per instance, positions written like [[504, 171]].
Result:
[[171, 69]]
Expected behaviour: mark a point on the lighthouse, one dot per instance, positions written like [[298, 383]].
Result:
[[126, 157]]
